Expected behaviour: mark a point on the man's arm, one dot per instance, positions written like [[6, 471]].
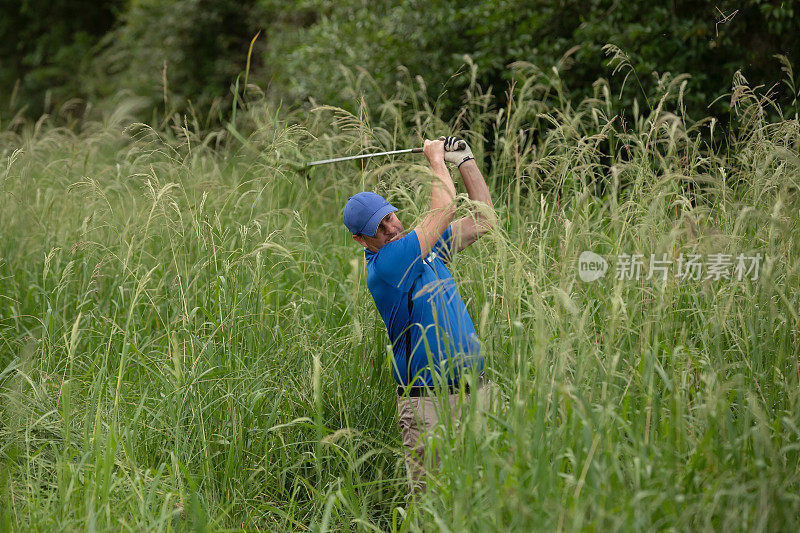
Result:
[[443, 194], [482, 218]]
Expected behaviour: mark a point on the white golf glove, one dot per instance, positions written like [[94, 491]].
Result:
[[456, 150]]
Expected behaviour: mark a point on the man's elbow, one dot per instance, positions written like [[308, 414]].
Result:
[[445, 214], [487, 221]]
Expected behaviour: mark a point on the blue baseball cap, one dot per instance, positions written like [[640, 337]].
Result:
[[364, 211]]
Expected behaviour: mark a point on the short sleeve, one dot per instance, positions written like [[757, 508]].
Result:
[[444, 246], [398, 263]]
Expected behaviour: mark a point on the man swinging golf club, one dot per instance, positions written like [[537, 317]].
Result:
[[433, 337]]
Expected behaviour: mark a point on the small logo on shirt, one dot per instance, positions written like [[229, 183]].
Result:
[[430, 258]]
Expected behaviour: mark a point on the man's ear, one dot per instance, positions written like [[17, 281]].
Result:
[[360, 240]]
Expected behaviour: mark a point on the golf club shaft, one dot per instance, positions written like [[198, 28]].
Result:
[[364, 156], [461, 146]]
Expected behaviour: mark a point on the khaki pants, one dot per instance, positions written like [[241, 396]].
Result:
[[421, 417]]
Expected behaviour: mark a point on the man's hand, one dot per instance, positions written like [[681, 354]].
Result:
[[434, 151], [456, 150]]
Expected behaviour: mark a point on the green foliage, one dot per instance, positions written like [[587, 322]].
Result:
[[708, 40], [180, 54], [44, 45], [187, 340], [184, 55]]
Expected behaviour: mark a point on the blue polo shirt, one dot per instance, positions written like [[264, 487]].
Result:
[[428, 323]]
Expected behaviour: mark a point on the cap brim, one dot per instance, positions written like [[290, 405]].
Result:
[[371, 227]]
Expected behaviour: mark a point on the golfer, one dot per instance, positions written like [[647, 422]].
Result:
[[433, 337]]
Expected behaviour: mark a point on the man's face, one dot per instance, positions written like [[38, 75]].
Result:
[[389, 229]]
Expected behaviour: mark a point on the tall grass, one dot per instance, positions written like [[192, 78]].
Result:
[[188, 341]]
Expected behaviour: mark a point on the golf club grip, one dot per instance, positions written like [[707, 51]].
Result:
[[462, 145]]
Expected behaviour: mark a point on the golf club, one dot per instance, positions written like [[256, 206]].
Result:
[[461, 146]]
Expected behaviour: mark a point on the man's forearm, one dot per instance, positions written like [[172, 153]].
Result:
[[443, 191], [443, 205], [478, 192], [443, 194]]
